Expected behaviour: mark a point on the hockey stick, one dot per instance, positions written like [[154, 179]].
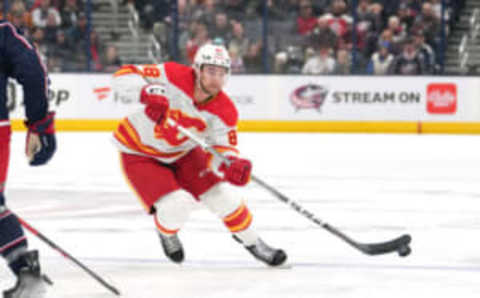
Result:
[[400, 244], [68, 256]]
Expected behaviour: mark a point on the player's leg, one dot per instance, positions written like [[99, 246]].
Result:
[[156, 187], [222, 199], [171, 213], [13, 242]]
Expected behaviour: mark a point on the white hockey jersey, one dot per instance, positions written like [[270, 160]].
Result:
[[214, 120]]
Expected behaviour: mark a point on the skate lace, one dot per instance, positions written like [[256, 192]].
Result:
[[171, 243]]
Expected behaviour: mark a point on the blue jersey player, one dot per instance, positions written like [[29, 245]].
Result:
[[20, 60]]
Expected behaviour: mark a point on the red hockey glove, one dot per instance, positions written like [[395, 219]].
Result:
[[41, 143], [238, 172], [153, 96]]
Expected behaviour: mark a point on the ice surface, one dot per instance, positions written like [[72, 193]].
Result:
[[373, 187]]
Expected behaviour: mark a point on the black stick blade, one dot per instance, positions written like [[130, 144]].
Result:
[[385, 247]]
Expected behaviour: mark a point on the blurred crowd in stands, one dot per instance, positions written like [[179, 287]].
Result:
[[304, 36], [58, 29], [315, 36]]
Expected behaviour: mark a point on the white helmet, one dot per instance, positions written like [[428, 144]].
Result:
[[213, 55]]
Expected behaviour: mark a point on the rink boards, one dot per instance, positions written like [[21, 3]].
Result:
[[86, 102]]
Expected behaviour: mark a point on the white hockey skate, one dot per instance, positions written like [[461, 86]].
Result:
[[30, 282], [172, 247], [261, 251]]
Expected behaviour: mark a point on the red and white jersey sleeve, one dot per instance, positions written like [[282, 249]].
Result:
[[215, 120], [127, 82]]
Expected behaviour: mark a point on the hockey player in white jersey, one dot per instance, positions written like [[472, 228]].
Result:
[[168, 171]]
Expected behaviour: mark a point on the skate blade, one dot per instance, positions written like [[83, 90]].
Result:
[[285, 266]]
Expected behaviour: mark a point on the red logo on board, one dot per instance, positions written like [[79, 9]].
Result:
[[442, 98]]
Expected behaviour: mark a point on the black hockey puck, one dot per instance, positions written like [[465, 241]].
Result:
[[404, 250]]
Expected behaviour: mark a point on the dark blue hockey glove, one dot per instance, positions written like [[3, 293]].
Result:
[[41, 143]]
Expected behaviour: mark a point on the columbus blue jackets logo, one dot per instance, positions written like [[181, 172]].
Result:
[[309, 96]]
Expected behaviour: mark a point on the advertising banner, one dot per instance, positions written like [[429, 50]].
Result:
[[286, 98]]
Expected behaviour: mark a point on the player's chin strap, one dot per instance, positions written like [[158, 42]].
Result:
[[399, 244]]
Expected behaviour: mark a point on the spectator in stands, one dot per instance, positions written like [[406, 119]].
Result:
[[340, 22], [96, 50], [321, 6], [41, 13], [146, 12], [428, 23], [111, 61], [235, 9], [323, 35], [408, 62], [183, 40], [398, 32], [376, 12], [237, 65], [343, 64], [239, 40], [364, 13], [38, 40], [20, 17], [221, 28], [390, 7], [51, 29], [18, 7], [253, 59], [387, 35], [61, 50], [425, 53], [54, 64], [199, 38], [437, 9], [33, 4], [278, 10], [369, 23], [184, 17], [322, 63], [18, 20], [206, 12], [306, 20], [407, 15], [381, 60], [79, 32], [70, 13]]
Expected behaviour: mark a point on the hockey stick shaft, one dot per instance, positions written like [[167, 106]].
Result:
[[68, 256], [371, 249]]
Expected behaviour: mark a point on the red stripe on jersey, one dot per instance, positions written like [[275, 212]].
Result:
[[223, 149], [13, 243], [239, 220], [128, 69], [128, 136], [162, 229]]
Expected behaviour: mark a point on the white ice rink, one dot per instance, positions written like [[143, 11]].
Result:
[[372, 187]]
